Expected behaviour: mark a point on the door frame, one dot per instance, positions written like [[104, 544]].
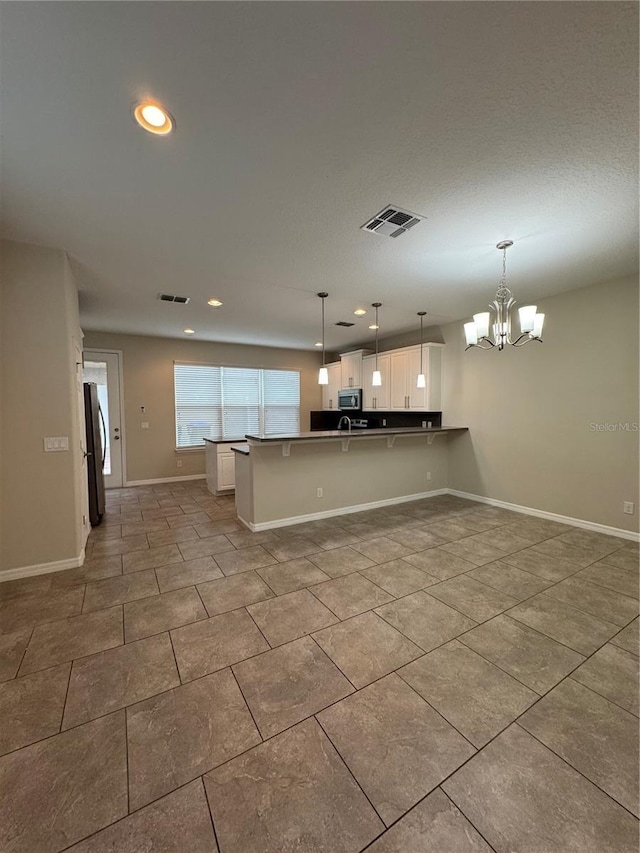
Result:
[[123, 430]]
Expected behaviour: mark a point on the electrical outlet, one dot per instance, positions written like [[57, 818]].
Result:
[[627, 507], [428, 475], [319, 493], [424, 424], [384, 422], [178, 463], [144, 424]]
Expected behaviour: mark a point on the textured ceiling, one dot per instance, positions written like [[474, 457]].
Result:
[[298, 121]]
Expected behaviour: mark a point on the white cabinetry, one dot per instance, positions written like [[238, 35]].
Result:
[[405, 367], [375, 397], [330, 391], [221, 466], [352, 368]]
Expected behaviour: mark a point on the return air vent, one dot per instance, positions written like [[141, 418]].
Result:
[[392, 221], [169, 297], [345, 324]]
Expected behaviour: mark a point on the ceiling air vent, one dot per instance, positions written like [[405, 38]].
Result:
[[392, 221], [345, 324], [169, 297]]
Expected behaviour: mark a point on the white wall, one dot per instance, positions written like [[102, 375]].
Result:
[[530, 410], [39, 505]]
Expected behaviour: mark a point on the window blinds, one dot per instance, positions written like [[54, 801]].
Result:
[[229, 402]]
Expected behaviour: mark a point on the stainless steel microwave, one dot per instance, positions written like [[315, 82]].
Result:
[[350, 400]]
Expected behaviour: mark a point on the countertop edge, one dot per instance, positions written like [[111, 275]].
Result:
[[337, 435]]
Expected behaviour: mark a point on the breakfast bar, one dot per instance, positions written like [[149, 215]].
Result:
[[287, 479]]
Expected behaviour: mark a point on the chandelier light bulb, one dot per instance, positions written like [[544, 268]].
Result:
[[376, 379], [323, 376], [471, 334], [538, 323], [527, 317], [482, 323], [421, 383]]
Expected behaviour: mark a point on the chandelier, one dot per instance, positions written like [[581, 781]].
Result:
[[477, 332]]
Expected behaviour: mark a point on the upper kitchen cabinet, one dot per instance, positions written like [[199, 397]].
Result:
[[330, 391], [352, 368], [375, 397], [404, 370]]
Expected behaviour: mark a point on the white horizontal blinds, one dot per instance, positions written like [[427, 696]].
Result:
[[240, 401], [281, 401], [198, 392], [230, 402]]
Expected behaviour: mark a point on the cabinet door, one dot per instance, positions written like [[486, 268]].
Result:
[[418, 396], [381, 392], [351, 371], [368, 391], [335, 380], [398, 383], [330, 391], [226, 471]]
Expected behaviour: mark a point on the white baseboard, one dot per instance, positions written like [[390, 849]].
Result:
[[343, 510], [550, 516], [163, 480], [42, 568]]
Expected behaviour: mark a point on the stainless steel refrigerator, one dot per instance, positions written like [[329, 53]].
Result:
[[94, 424]]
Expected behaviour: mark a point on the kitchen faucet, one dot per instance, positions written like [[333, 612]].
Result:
[[345, 418]]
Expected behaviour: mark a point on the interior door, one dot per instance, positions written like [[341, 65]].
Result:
[[103, 368]]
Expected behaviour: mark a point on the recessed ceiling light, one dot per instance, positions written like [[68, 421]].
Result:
[[360, 312], [189, 331], [373, 326], [318, 344], [153, 118], [215, 303]]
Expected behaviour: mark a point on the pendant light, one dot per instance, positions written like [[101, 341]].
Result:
[[421, 383], [477, 332], [323, 373], [376, 379]]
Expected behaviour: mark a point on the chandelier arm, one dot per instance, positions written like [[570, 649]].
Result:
[[480, 344], [528, 338]]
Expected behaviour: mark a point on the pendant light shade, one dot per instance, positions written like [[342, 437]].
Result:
[[323, 373], [421, 381], [376, 379]]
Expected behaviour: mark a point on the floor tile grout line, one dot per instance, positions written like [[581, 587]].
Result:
[[575, 769], [346, 766], [250, 615], [467, 818], [66, 698], [253, 719], [209, 802]]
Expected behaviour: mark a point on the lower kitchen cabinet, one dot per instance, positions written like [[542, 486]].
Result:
[[221, 467]]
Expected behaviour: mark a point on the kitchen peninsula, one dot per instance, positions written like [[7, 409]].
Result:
[[286, 479]]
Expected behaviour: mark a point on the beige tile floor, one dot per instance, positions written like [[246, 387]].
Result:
[[433, 677]]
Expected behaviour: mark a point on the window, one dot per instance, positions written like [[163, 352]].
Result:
[[229, 402]]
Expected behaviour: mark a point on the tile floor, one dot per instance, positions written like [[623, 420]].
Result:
[[434, 677]]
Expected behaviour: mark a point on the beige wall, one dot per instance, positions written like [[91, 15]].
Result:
[[529, 410], [38, 491], [285, 486], [148, 381]]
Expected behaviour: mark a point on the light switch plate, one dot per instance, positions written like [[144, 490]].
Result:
[[144, 424], [54, 445]]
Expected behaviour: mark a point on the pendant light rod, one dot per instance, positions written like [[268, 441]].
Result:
[[323, 296], [323, 373], [376, 379], [421, 314], [376, 305]]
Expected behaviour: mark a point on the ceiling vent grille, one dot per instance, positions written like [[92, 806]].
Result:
[[392, 221], [169, 297], [345, 324]]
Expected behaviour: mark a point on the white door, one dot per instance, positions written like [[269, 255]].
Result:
[[103, 368]]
